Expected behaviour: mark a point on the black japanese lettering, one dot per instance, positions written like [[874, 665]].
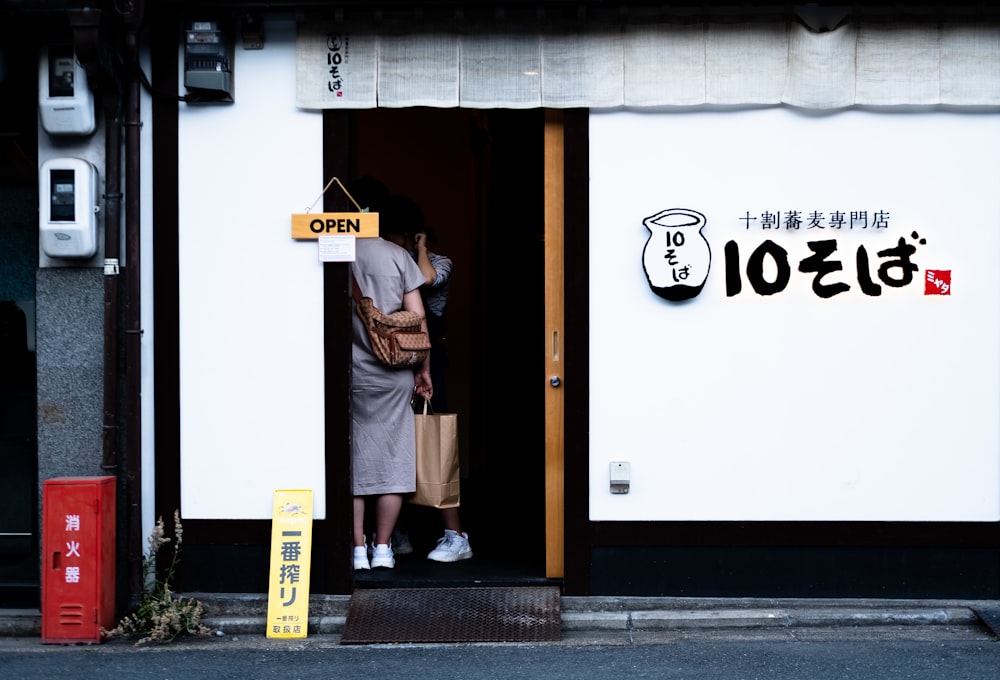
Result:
[[868, 287], [734, 284], [818, 264], [901, 255], [755, 268]]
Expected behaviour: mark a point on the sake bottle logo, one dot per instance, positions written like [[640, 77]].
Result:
[[676, 256]]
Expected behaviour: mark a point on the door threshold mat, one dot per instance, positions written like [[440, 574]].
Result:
[[453, 615]]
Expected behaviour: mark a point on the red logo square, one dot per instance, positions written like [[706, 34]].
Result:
[[937, 282]]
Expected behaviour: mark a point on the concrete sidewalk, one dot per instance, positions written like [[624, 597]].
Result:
[[243, 614]]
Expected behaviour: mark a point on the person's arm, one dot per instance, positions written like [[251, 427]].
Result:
[[442, 265], [412, 302], [423, 260]]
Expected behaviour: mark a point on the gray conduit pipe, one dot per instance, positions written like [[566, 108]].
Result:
[[92, 46], [112, 226]]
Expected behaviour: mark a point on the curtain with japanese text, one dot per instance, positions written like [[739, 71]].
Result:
[[602, 65]]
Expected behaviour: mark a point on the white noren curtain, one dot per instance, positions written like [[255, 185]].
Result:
[[646, 65]]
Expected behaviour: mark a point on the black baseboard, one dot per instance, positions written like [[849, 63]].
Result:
[[808, 572], [20, 596]]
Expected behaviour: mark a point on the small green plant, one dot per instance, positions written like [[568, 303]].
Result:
[[161, 616]]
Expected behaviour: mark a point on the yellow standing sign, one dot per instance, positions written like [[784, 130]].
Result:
[[291, 548]]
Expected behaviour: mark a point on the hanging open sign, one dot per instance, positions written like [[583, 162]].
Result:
[[314, 225]]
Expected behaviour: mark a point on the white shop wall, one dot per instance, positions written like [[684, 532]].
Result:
[[791, 406], [251, 299], [750, 407]]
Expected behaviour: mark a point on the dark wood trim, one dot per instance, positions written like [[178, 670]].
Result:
[[337, 535], [576, 320], [569, 10], [959, 535], [228, 532], [165, 34]]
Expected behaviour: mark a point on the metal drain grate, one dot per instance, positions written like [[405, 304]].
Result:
[[453, 615], [990, 616]]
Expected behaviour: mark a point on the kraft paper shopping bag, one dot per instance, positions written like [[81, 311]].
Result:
[[437, 459]]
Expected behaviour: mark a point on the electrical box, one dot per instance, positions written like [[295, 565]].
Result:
[[65, 101], [208, 62], [67, 207], [78, 555], [621, 476]]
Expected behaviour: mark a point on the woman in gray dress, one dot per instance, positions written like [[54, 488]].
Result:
[[383, 449]]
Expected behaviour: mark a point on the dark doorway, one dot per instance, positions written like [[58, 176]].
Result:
[[478, 178], [19, 564]]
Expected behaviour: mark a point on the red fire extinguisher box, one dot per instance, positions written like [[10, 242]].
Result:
[[78, 554]]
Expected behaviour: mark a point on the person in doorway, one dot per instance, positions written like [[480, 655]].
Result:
[[383, 447], [436, 268]]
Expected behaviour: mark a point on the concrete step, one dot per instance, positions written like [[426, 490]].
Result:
[[245, 614]]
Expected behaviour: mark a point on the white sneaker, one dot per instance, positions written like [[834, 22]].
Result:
[[382, 557], [451, 547], [361, 557]]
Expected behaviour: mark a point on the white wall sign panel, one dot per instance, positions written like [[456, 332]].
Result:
[[250, 298], [795, 316]]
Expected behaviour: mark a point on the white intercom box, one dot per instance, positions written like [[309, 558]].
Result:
[[67, 207], [65, 101]]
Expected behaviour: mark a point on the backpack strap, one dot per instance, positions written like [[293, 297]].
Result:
[[355, 289]]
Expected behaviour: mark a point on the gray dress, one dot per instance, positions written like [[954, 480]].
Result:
[[383, 450]]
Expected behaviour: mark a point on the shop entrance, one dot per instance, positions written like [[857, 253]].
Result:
[[19, 578], [478, 177]]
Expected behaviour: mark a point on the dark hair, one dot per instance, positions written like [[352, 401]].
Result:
[[370, 193], [400, 215]]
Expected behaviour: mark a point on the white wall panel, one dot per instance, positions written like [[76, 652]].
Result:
[[251, 298], [792, 406]]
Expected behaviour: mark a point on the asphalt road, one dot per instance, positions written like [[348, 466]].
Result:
[[843, 653]]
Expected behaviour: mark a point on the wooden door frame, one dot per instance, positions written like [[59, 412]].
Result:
[[554, 452], [567, 544]]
